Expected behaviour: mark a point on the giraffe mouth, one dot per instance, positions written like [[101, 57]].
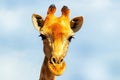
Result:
[[57, 69]]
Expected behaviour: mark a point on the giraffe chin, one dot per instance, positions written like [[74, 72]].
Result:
[[57, 69]]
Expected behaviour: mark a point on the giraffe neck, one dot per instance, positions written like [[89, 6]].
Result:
[[45, 72]]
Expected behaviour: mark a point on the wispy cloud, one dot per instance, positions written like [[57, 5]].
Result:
[[100, 66], [10, 19], [15, 65]]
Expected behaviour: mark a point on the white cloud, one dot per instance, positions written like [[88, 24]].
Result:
[[100, 4], [98, 67], [109, 24], [14, 65], [8, 68], [10, 19], [91, 5], [94, 70], [110, 27]]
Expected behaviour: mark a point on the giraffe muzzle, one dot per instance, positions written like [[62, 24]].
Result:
[[56, 65]]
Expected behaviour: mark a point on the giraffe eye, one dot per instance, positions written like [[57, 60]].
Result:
[[42, 36], [70, 38]]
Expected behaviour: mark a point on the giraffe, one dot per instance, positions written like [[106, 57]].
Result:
[[56, 33]]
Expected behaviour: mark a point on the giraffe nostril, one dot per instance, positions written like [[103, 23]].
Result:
[[56, 61], [53, 60], [61, 60]]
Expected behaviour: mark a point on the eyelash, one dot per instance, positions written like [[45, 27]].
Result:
[[70, 38], [42, 36]]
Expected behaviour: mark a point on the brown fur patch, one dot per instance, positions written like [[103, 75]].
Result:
[[57, 31]]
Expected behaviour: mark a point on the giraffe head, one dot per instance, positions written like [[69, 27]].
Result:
[[56, 33]]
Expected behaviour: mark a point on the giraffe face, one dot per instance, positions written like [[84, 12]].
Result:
[[56, 38], [56, 33]]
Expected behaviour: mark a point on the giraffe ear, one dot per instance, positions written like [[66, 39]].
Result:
[[76, 23], [38, 21]]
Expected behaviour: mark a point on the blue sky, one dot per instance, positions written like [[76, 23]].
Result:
[[94, 54]]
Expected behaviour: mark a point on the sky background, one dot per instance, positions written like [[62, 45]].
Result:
[[94, 54]]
